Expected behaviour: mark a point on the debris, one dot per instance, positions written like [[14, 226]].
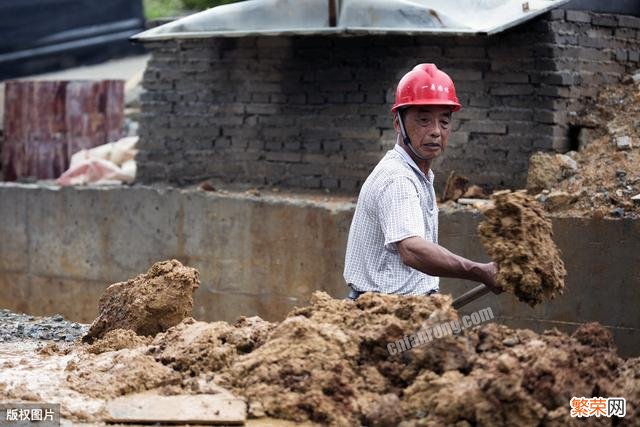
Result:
[[118, 339], [116, 373], [455, 187], [623, 142], [475, 192], [557, 200], [198, 347], [636, 199], [612, 122], [329, 363], [206, 186], [253, 192], [149, 303], [617, 212], [106, 164], [547, 170], [212, 409], [15, 327], [518, 237], [480, 204]]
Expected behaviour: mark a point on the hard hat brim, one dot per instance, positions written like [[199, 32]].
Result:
[[436, 102]]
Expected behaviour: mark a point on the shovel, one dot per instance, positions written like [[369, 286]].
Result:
[[469, 296]]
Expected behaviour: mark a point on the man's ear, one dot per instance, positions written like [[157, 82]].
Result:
[[396, 125]]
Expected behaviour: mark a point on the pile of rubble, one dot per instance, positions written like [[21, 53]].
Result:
[[602, 179]]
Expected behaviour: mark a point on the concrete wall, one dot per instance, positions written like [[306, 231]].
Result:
[[313, 112], [60, 248]]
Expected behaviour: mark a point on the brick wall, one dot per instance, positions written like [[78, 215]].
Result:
[[313, 112]]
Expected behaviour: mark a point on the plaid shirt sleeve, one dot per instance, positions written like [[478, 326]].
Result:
[[400, 213]]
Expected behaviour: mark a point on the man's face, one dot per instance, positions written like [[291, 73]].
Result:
[[428, 127]]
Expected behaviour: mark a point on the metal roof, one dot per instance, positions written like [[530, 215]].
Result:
[[352, 17]]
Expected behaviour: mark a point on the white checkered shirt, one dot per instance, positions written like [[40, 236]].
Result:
[[396, 201]]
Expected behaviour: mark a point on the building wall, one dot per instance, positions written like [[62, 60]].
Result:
[[313, 112], [62, 247]]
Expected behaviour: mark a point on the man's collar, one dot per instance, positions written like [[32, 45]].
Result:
[[411, 163]]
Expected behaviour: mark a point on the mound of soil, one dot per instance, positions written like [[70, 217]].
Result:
[[330, 362], [602, 177], [149, 303]]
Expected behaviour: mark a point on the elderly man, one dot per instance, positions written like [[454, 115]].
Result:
[[393, 241]]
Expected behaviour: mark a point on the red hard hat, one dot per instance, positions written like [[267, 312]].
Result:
[[426, 85]]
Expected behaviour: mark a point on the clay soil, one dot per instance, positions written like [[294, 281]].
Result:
[[328, 363], [517, 235]]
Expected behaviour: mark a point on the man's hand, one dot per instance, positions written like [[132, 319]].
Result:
[[489, 271]]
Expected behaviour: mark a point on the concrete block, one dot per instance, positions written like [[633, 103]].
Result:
[[604, 20], [503, 77], [629, 21], [556, 14], [621, 55], [276, 156], [511, 89], [14, 243], [578, 16], [484, 127]]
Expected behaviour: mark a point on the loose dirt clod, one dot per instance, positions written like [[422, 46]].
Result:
[[117, 373], [149, 303], [199, 347], [518, 237], [118, 339]]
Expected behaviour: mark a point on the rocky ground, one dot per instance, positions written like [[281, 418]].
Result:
[[16, 327]]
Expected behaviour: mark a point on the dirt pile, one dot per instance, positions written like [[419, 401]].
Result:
[[606, 176], [116, 373], [547, 170], [149, 303], [196, 347], [330, 362], [517, 378]]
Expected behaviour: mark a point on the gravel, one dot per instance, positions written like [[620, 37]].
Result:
[[15, 327]]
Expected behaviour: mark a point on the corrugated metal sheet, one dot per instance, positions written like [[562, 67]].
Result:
[[302, 17]]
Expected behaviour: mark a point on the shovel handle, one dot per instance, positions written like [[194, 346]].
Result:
[[469, 296]]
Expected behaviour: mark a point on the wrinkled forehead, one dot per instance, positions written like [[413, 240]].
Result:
[[436, 110]]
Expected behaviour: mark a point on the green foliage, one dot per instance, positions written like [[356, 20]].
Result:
[[154, 9], [204, 4]]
